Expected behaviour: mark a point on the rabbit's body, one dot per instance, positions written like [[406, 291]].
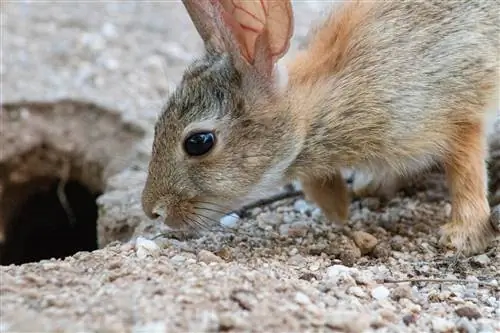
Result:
[[386, 83], [388, 88]]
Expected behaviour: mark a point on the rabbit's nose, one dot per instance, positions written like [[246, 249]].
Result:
[[158, 211], [152, 209]]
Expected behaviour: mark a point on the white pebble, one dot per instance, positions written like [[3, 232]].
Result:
[[314, 267], [153, 327], [336, 270], [289, 218], [230, 220], [301, 206], [178, 258], [145, 247], [302, 298], [380, 293], [442, 325], [341, 275], [348, 321], [482, 260], [464, 325], [109, 30], [110, 63], [316, 213], [357, 291]]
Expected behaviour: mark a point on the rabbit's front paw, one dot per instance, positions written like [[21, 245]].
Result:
[[330, 195], [470, 237]]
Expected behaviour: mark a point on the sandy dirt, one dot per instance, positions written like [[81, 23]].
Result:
[[82, 84]]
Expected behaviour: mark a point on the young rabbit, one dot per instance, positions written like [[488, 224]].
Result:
[[385, 87]]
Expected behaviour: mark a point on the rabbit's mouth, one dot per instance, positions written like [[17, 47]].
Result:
[[192, 215]]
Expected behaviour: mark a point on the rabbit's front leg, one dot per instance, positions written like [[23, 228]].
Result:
[[330, 195], [469, 230]]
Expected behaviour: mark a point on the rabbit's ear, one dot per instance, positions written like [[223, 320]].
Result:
[[257, 31], [205, 14], [262, 29]]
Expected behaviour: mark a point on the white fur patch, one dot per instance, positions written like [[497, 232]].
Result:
[[362, 180], [271, 180]]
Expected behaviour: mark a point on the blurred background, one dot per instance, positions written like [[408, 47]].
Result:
[[125, 54]]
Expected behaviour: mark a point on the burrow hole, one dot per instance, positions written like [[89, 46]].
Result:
[[48, 206]]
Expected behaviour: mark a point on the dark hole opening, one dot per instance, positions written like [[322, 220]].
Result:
[[39, 225]]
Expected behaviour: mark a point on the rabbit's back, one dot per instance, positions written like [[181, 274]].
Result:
[[398, 75]]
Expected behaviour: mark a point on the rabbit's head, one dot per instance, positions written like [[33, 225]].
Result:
[[224, 135]]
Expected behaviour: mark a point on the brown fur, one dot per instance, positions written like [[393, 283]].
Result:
[[466, 175], [386, 88]]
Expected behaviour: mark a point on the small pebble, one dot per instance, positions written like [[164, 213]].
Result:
[[364, 277], [364, 241], [371, 203], [308, 276], [316, 214], [402, 291], [442, 325], [410, 319], [269, 218], [381, 251], [302, 298], [289, 218], [468, 312], [336, 270], [208, 257], [178, 258], [348, 321], [230, 321], [145, 247], [230, 220], [465, 326], [298, 229], [314, 267], [481, 260], [357, 291], [152, 327], [225, 253], [340, 275], [301, 206], [397, 243], [380, 293], [297, 260], [109, 30], [283, 229]]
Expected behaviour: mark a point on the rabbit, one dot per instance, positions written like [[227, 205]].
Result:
[[385, 88]]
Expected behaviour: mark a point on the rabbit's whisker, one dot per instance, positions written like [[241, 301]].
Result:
[[210, 210]]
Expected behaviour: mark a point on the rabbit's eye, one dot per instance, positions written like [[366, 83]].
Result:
[[200, 143]]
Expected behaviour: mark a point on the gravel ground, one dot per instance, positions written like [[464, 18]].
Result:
[[281, 268]]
